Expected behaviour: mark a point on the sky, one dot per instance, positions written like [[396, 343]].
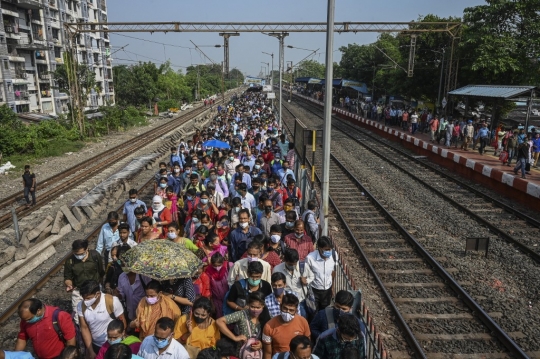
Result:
[[246, 49]]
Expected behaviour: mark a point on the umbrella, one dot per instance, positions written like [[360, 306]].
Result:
[[216, 144], [161, 260]]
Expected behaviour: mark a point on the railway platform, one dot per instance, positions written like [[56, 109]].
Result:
[[484, 169]]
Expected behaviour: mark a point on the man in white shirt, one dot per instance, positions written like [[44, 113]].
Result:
[[231, 163], [162, 345], [248, 201], [95, 312], [240, 268], [322, 263]]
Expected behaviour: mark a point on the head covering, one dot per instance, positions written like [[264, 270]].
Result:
[[470, 121], [157, 207]]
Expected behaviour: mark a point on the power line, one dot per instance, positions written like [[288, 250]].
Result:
[[154, 42]]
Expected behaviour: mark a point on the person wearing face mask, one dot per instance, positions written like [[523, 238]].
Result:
[[37, 325], [346, 334], [129, 209], [323, 262], [95, 312], [211, 245], [153, 306], [220, 184], [273, 301], [190, 204], [162, 186], [85, 264], [29, 183], [114, 269], [108, 235], [230, 163], [327, 318], [206, 206], [256, 189], [217, 272], [192, 224], [284, 172], [197, 330], [174, 236], [116, 334], [249, 322], [223, 175], [311, 221], [175, 179], [246, 198], [239, 290], [300, 348], [299, 240], [279, 331], [161, 214], [253, 254], [274, 195], [268, 218], [162, 343]]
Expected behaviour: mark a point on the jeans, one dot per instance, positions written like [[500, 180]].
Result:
[[511, 153], [522, 162], [414, 127], [483, 144], [448, 138], [27, 192]]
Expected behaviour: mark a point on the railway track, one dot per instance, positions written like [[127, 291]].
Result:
[[44, 279], [439, 319], [50, 188], [505, 220]]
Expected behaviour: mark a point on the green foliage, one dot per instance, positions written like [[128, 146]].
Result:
[[164, 105], [311, 68]]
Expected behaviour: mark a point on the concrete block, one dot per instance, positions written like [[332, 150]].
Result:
[[96, 208], [71, 218], [24, 242], [79, 215], [57, 224], [89, 212], [44, 234], [21, 254], [7, 254], [33, 234], [27, 268], [65, 230]]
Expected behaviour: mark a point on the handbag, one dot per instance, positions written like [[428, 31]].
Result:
[[503, 157], [245, 351], [527, 167], [311, 303]]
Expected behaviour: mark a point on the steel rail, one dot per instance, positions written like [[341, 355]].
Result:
[[506, 236], [9, 311], [497, 331]]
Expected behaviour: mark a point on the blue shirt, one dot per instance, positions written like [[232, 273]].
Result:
[[106, 238], [536, 142], [129, 211], [176, 182], [283, 175], [240, 240], [483, 132], [18, 355]]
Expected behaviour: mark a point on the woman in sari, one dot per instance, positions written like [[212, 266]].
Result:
[[152, 307], [211, 245], [147, 231], [218, 271], [171, 202], [174, 236]]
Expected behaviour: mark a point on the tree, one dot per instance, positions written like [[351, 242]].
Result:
[[501, 42], [311, 68]]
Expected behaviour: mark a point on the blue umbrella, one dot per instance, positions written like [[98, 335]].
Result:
[[216, 144]]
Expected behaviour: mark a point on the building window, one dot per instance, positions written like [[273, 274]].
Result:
[[47, 106], [6, 65]]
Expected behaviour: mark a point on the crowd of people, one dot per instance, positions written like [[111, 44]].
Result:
[[266, 285]]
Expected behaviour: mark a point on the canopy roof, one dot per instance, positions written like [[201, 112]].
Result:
[[494, 91]]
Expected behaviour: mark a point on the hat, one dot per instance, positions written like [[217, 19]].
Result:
[[470, 121]]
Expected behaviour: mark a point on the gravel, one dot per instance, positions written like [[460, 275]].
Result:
[[509, 279]]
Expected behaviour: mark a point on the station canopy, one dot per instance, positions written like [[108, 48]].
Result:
[[308, 80], [494, 91]]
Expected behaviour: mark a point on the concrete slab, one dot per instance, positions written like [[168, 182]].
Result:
[[71, 218]]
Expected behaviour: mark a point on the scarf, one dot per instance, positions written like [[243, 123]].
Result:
[[218, 275], [157, 207]]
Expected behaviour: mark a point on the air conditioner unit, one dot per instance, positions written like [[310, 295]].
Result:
[[24, 75], [8, 29]]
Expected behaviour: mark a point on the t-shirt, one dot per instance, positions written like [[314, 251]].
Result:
[[47, 344], [279, 334], [238, 290], [414, 118], [200, 338], [28, 179], [98, 318]]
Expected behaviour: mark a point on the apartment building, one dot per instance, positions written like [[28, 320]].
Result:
[[33, 40]]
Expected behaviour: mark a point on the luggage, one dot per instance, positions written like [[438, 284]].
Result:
[[503, 157]]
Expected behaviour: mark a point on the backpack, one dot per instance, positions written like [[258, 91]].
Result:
[[79, 341], [245, 351], [109, 305], [226, 309]]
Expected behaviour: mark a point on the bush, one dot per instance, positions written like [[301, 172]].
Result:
[[165, 105]]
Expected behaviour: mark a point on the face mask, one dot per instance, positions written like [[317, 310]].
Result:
[[90, 302], [171, 235], [35, 319], [289, 224], [231, 158], [80, 256], [289, 267], [255, 312], [195, 162], [204, 200], [198, 320], [152, 300], [278, 291], [218, 268], [113, 224], [270, 189], [327, 254], [254, 283], [133, 200], [253, 259], [244, 225], [268, 209], [213, 177], [188, 171], [190, 198], [299, 235], [163, 185], [221, 172], [275, 238], [287, 317], [116, 341], [195, 220], [216, 246], [161, 343], [177, 170]]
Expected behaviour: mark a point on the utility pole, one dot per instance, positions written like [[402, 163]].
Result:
[[290, 83], [327, 137], [440, 80], [226, 36], [281, 38]]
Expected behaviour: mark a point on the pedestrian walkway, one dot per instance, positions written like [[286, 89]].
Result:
[[485, 169]]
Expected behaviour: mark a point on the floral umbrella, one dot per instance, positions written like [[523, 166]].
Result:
[[161, 260]]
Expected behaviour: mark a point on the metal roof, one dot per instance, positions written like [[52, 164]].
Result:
[[494, 91]]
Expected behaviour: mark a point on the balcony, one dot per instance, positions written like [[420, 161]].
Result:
[[103, 6], [9, 29], [59, 60], [30, 4], [46, 93], [21, 95], [44, 77], [19, 74]]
